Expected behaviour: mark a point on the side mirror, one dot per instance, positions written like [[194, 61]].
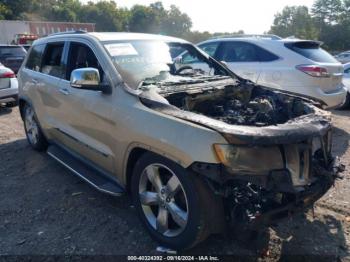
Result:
[[88, 79]]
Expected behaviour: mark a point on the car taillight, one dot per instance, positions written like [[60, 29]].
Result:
[[313, 70], [7, 75]]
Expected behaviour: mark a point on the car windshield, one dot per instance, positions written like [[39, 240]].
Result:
[[153, 61]]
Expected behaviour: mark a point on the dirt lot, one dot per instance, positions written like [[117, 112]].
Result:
[[45, 210]]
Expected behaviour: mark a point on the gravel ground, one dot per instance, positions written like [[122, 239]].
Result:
[[45, 210]]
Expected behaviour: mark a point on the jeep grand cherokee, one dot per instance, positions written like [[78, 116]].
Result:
[[197, 150]]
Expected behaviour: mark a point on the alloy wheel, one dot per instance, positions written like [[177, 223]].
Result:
[[163, 200], [32, 128]]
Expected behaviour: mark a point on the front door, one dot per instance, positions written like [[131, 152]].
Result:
[[87, 115]]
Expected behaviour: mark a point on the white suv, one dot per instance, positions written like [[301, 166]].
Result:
[[293, 65]]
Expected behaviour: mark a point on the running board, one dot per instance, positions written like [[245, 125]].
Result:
[[85, 172]]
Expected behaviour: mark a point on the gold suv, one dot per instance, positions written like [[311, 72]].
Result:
[[199, 150]]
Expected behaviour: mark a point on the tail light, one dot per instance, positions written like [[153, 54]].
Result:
[[313, 70], [8, 75]]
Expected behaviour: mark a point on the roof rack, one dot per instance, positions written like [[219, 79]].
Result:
[[264, 36], [69, 32]]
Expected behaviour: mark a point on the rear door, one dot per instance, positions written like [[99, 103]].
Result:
[[39, 79], [48, 87], [241, 57]]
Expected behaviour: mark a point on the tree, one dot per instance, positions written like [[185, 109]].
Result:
[[333, 22], [105, 14], [4, 11], [327, 11], [14, 9], [294, 21], [145, 19], [176, 22]]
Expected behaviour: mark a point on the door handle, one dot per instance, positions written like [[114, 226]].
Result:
[[64, 91], [34, 81]]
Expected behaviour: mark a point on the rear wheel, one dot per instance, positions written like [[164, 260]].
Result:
[[32, 129], [170, 202]]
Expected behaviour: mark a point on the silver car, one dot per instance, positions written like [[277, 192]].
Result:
[[343, 57], [8, 87]]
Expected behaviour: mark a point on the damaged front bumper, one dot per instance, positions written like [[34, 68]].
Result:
[[256, 200]]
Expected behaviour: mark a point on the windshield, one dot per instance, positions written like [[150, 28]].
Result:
[[141, 61]]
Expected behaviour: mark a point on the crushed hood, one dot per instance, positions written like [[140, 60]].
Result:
[[242, 112]]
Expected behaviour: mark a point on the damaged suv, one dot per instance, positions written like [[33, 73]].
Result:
[[198, 151]]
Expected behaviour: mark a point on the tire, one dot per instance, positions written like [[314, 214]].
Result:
[[189, 205], [32, 129], [346, 104]]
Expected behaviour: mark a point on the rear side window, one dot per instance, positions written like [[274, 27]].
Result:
[[266, 56], [34, 58], [347, 71], [52, 60], [244, 52], [12, 51], [312, 51]]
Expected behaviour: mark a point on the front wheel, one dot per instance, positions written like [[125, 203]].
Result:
[[32, 129], [170, 202]]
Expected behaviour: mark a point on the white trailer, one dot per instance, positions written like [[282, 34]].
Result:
[[8, 30]]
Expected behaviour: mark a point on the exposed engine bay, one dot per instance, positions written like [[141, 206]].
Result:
[[226, 100], [241, 105]]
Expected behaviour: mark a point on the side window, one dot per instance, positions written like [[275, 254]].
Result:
[[52, 60], [347, 71], [265, 56], [209, 48], [238, 52], [81, 56], [34, 58]]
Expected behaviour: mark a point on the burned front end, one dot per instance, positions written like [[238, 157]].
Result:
[[278, 157]]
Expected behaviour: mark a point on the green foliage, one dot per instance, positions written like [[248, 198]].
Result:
[[294, 21], [13, 9], [328, 21]]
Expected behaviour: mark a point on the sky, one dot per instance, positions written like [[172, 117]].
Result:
[[252, 16]]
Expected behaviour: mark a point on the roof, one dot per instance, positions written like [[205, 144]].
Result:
[[110, 36], [114, 36], [258, 39]]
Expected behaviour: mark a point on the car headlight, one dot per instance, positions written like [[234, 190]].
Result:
[[257, 160]]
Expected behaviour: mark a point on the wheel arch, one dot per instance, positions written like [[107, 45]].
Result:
[[135, 151]]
